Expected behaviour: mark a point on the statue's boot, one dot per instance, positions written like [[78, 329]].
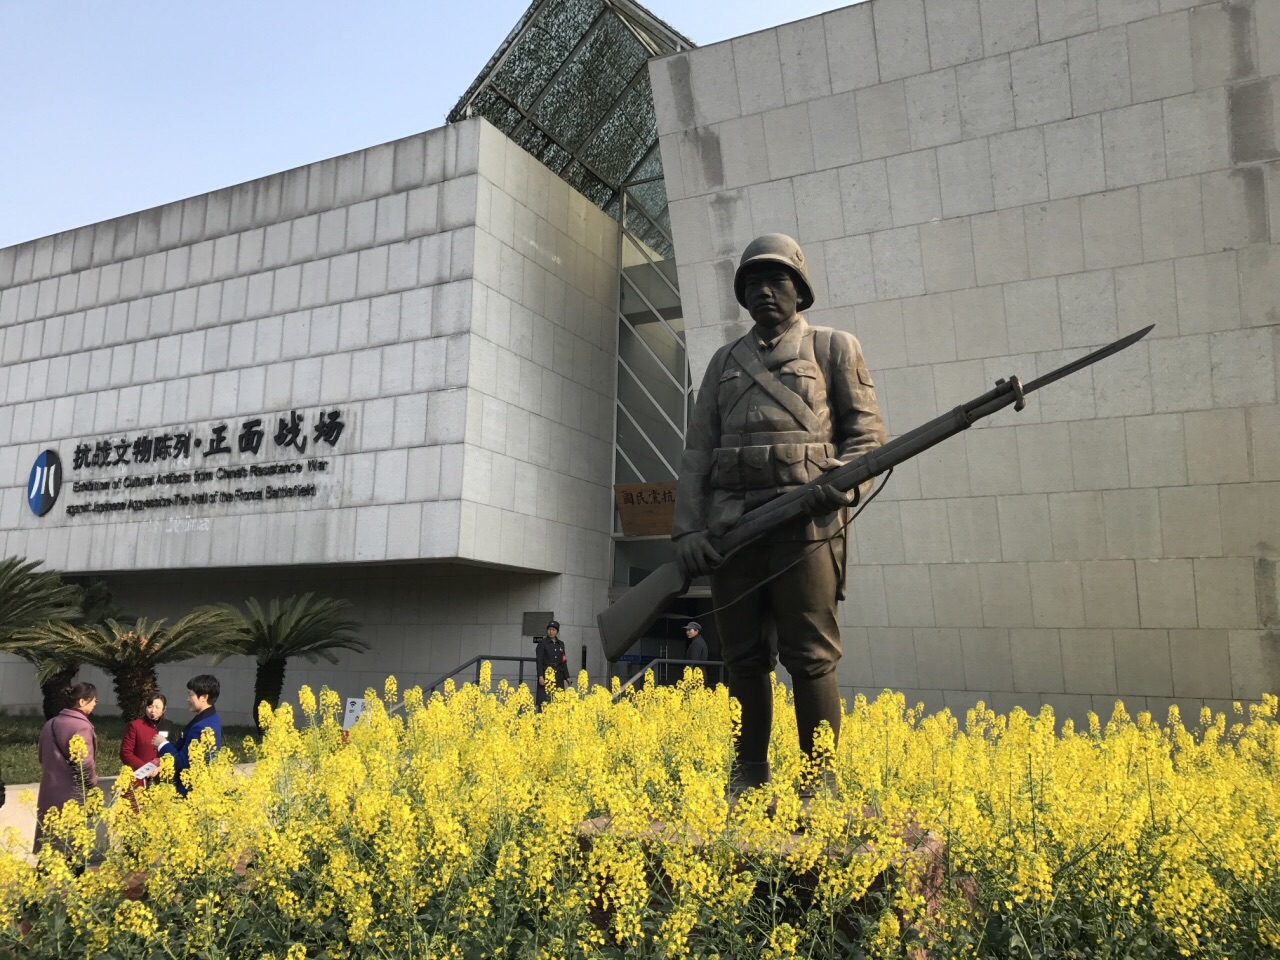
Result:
[[817, 699], [747, 776], [824, 782], [751, 750]]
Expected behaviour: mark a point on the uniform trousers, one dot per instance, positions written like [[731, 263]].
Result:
[[791, 618], [797, 610]]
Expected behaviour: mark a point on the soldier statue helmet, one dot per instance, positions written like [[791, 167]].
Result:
[[774, 248], [777, 408]]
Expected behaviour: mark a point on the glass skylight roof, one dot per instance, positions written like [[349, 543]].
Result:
[[571, 86]]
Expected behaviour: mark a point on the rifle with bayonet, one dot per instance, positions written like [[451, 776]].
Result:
[[626, 620]]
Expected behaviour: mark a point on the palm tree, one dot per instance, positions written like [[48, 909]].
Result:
[[302, 626], [97, 606], [26, 599], [130, 652]]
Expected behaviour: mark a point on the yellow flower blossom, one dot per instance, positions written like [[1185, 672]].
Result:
[[77, 749], [307, 701], [466, 824]]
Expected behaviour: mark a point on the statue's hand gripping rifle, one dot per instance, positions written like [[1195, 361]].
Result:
[[625, 621]]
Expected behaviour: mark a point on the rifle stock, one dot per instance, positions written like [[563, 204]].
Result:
[[626, 620], [622, 623]]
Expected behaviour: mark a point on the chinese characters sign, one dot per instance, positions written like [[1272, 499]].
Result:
[[246, 461], [177, 445], [646, 509]]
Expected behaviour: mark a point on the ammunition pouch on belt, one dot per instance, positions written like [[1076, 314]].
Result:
[[764, 466]]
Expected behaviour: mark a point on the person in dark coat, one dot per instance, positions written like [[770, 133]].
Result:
[[63, 779], [202, 694], [551, 654], [136, 750], [697, 642]]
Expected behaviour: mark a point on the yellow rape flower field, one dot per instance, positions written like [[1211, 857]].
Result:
[[468, 826]]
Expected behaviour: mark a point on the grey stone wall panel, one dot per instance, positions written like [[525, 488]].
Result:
[[1160, 57], [1065, 18], [1108, 165], [275, 309], [851, 48], [933, 108], [1254, 108], [900, 28], [1041, 84], [882, 120], [1007, 25], [955, 31], [1074, 157]]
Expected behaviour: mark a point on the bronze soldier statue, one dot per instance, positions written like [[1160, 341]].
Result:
[[777, 408]]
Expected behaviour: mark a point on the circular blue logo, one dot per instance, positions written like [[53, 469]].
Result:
[[45, 483]]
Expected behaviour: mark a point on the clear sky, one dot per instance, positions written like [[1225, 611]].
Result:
[[111, 106]]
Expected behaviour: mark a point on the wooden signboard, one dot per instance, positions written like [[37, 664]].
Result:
[[646, 509]]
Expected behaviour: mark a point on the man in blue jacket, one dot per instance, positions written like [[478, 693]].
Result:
[[202, 694]]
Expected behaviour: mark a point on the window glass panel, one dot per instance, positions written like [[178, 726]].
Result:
[[661, 377], [651, 166], [573, 90], [623, 472], [538, 54], [632, 443]]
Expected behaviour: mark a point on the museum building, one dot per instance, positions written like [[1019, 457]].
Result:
[[447, 378]]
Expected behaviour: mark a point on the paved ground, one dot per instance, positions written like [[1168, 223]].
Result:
[[15, 813], [22, 816]]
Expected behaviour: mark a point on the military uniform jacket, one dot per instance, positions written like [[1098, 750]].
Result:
[[765, 417]]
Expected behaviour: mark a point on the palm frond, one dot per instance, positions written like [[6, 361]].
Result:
[[99, 604], [204, 631], [113, 646], [299, 626], [49, 647], [28, 597]]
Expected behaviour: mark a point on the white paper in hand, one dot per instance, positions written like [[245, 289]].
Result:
[[146, 770]]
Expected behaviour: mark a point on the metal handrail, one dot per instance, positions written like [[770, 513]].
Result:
[[477, 662], [665, 661], [631, 681]]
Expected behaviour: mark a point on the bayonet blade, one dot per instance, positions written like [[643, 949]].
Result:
[[1088, 360]]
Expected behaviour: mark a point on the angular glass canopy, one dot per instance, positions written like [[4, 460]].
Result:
[[570, 84]]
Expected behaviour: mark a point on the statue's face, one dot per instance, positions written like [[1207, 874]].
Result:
[[771, 295]]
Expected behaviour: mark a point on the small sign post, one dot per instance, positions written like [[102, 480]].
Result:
[[355, 707]]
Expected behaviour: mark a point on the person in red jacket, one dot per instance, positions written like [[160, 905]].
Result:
[[136, 748]]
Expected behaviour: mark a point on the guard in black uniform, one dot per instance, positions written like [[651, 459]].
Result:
[[550, 654]]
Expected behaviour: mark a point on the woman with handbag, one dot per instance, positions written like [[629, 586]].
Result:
[[62, 778]]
